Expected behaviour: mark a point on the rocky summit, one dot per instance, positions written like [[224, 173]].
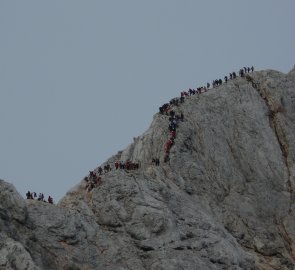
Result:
[[221, 196]]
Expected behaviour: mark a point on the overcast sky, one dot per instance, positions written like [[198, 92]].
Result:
[[80, 79]]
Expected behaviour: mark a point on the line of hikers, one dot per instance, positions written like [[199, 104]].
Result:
[[173, 119], [128, 165], [94, 178], [40, 197], [232, 76], [173, 125], [202, 89]]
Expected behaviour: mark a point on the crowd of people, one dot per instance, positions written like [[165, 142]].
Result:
[[94, 178], [173, 119], [128, 165], [232, 76], [40, 197]]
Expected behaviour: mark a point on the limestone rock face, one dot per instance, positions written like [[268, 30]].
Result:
[[223, 200]]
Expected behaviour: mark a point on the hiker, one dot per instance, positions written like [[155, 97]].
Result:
[[181, 117], [40, 197], [157, 162], [166, 158], [28, 195], [172, 113], [241, 72], [252, 68], [167, 147], [50, 200], [98, 179], [116, 165], [225, 79]]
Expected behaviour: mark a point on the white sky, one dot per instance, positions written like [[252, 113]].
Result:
[[80, 79]]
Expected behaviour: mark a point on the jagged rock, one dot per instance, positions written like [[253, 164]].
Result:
[[224, 199]]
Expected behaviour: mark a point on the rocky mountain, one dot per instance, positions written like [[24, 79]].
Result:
[[224, 198]]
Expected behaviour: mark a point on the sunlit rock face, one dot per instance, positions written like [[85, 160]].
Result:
[[224, 199]]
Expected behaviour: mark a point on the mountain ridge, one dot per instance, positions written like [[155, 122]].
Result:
[[223, 200]]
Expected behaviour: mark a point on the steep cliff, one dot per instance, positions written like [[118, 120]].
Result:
[[223, 200]]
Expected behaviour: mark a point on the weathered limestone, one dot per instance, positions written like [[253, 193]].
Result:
[[225, 199]]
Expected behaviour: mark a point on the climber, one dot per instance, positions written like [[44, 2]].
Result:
[[50, 200], [181, 117], [122, 165], [41, 197], [241, 72], [116, 165], [28, 195], [157, 162], [166, 158], [167, 147], [225, 79], [252, 68], [98, 179]]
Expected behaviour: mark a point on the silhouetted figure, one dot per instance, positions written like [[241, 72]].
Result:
[[50, 200], [41, 197], [166, 158], [157, 161], [28, 195]]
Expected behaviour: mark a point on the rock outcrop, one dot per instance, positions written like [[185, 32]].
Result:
[[223, 200]]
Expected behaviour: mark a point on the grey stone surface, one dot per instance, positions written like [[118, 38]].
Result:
[[225, 199]]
